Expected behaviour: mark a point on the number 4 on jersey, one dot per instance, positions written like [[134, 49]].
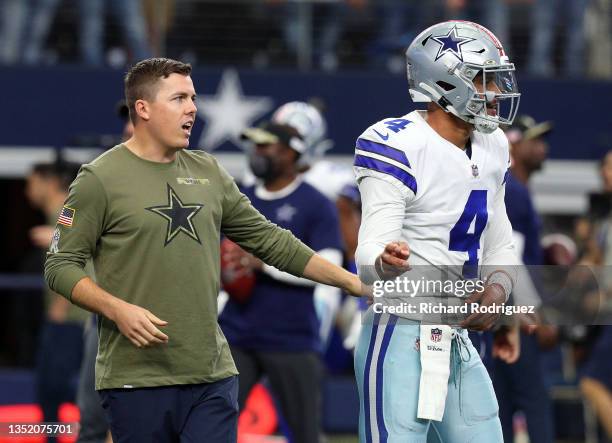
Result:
[[465, 235], [396, 125]]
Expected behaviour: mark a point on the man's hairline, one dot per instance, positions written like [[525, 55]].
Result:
[[154, 98], [157, 81]]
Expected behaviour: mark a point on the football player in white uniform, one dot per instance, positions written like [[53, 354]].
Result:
[[337, 182], [432, 189]]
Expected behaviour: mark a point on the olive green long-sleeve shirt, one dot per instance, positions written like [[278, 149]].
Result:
[[153, 231]]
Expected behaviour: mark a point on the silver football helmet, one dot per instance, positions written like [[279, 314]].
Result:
[[310, 124], [463, 68]]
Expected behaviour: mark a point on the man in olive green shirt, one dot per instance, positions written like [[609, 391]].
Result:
[[150, 213]]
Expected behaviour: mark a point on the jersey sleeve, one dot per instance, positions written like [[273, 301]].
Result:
[[79, 226], [383, 212], [377, 154], [246, 226]]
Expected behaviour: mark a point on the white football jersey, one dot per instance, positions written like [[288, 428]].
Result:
[[446, 203], [330, 178]]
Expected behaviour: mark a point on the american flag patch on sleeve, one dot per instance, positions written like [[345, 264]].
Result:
[[66, 217]]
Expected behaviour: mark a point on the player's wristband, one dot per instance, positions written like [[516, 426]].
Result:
[[502, 279]]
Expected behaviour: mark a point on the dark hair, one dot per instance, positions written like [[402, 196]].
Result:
[[141, 80], [65, 172]]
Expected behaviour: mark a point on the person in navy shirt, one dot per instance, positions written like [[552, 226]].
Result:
[[275, 331], [520, 386]]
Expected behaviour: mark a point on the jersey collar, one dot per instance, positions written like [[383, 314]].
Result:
[[263, 194]]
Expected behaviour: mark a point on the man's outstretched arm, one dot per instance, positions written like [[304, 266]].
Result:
[[323, 271]]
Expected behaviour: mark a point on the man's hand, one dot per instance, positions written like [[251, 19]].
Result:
[[58, 309], [237, 260], [393, 261], [139, 325], [491, 295], [41, 236], [507, 344]]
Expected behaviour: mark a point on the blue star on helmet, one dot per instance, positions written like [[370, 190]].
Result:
[[451, 43]]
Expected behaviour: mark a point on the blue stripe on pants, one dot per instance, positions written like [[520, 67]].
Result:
[[379, 380], [366, 380]]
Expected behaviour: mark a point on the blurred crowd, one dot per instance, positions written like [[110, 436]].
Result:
[[546, 38]]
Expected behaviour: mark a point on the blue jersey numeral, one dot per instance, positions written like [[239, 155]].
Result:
[[397, 124], [464, 241]]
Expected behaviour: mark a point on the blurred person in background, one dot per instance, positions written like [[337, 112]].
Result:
[[40, 19], [594, 232], [328, 31], [521, 386], [13, 16], [401, 21], [596, 378], [602, 207], [159, 16], [93, 425], [61, 340], [545, 15], [275, 330], [335, 181], [128, 13]]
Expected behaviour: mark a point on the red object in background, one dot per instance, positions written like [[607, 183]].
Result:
[[67, 413], [21, 414], [238, 282], [258, 416]]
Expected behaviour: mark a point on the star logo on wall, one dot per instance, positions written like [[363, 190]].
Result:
[[227, 113], [179, 216], [451, 43]]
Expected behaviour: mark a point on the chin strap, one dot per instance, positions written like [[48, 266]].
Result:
[[444, 103]]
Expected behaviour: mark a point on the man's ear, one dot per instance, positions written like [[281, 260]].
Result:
[[142, 109]]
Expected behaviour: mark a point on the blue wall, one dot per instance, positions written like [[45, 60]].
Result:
[[51, 106]]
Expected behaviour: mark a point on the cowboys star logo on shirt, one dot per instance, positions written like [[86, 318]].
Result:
[[436, 334], [179, 216], [285, 212]]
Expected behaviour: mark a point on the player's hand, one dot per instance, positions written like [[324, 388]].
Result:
[[240, 261], [41, 235], [139, 325], [507, 344], [491, 295], [393, 261]]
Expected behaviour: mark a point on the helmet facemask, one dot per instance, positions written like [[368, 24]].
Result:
[[498, 100]]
